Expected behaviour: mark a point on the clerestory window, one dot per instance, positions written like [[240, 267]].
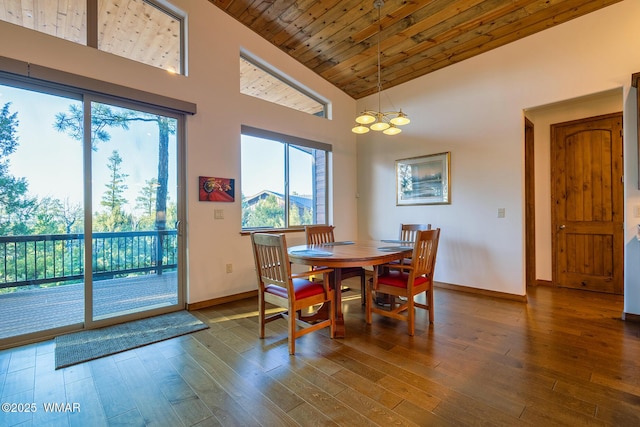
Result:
[[146, 31], [261, 81]]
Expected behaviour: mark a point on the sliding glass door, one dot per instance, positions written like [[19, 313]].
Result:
[[88, 220], [135, 214]]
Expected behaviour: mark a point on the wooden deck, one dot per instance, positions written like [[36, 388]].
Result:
[[36, 310]]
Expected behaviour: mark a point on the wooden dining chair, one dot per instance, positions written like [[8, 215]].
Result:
[[408, 231], [319, 234], [293, 292], [404, 282], [408, 234]]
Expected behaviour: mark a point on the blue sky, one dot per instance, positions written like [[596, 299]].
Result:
[[263, 166]]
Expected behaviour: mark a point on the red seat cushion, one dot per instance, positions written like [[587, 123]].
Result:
[[303, 289], [399, 279]]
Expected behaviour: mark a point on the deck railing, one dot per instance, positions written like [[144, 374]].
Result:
[[59, 258]]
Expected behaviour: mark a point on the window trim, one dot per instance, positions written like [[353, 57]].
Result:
[[295, 140], [290, 140], [273, 72], [38, 74]]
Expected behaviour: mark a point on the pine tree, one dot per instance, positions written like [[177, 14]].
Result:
[[16, 207]]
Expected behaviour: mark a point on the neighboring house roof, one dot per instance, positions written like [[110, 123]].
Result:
[[305, 202]]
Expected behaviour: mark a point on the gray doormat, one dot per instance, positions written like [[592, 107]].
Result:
[[95, 343]]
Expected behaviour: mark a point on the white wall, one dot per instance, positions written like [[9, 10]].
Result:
[[213, 134], [475, 110]]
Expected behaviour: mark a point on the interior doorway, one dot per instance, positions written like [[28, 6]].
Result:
[[538, 227]]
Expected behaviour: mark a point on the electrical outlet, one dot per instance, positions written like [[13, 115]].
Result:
[[501, 212], [229, 268]]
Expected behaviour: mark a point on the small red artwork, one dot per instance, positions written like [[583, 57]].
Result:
[[216, 189]]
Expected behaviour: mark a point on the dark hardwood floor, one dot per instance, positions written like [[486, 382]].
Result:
[[564, 358]]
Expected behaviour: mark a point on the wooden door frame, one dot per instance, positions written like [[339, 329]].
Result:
[[530, 204]]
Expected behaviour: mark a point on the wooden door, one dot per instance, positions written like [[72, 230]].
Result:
[[587, 204]]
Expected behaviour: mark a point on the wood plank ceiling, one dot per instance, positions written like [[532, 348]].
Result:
[[338, 39]]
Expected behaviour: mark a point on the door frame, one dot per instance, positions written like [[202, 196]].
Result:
[[530, 203]]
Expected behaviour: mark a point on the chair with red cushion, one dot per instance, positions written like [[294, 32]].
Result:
[[321, 234], [293, 292], [408, 281]]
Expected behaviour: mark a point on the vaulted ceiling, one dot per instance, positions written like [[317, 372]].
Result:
[[338, 39]]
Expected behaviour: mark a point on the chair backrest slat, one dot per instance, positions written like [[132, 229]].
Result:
[[272, 260], [408, 231], [318, 234], [424, 252]]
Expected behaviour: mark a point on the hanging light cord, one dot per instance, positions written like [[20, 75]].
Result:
[[379, 5]]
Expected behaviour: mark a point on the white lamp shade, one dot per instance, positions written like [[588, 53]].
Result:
[[400, 120], [360, 129], [380, 126], [392, 131], [365, 119]]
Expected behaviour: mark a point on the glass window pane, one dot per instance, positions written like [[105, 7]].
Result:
[[41, 215], [257, 82], [63, 19], [262, 183], [134, 211], [301, 180], [142, 31], [283, 184]]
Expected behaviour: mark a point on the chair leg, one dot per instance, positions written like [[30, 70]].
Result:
[[332, 317], [430, 303], [369, 304], [292, 332], [411, 315], [261, 316], [363, 291]]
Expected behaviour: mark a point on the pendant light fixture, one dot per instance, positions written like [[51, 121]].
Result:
[[387, 122]]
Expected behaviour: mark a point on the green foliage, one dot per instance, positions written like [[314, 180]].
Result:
[[146, 203], [113, 197], [16, 206], [48, 217], [266, 213], [269, 213]]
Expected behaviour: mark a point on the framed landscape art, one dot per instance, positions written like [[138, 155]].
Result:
[[423, 180]]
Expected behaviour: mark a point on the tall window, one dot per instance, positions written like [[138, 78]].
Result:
[[141, 30], [283, 180]]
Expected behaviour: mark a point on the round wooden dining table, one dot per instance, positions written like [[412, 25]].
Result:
[[338, 255]]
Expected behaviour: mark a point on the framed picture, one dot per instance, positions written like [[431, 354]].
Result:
[[216, 189], [423, 180]]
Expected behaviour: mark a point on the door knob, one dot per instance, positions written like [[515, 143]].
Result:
[[562, 227]]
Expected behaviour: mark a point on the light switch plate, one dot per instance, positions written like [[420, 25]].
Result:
[[218, 214]]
